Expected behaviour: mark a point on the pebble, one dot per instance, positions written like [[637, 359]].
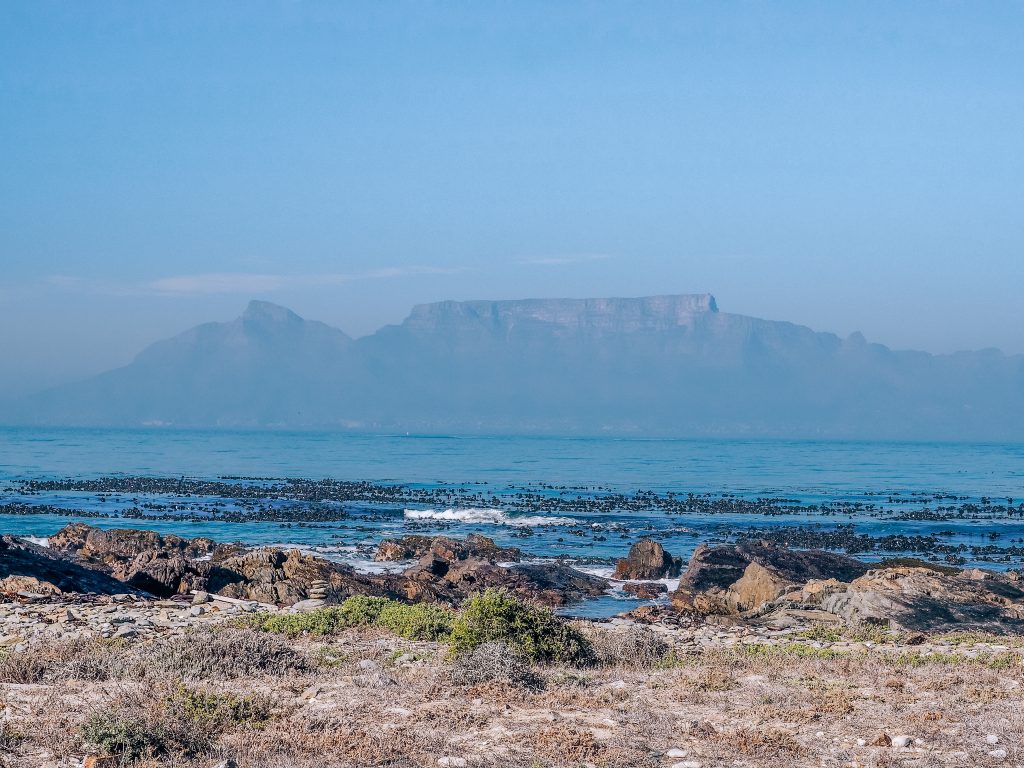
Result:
[[899, 742], [676, 752], [367, 664], [118, 616], [992, 739], [452, 762], [998, 754]]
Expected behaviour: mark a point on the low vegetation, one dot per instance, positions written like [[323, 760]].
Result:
[[374, 682], [495, 616], [421, 621]]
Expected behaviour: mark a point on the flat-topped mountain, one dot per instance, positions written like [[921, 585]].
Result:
[[661, 365]]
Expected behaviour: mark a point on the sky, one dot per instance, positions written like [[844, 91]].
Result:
[[847, 166]]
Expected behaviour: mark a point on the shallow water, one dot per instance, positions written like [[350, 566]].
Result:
[[894, 482]]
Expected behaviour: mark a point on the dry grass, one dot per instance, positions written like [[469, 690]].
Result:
[[372, 699]]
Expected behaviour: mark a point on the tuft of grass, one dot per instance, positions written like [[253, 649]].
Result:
[[539, 635], [223, 654], [822, 633], [789, 651], [176, 723], [635, 647], [494, 662], [1004, 660], [126, 736]]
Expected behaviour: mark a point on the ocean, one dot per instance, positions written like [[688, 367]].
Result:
[[583, 500]]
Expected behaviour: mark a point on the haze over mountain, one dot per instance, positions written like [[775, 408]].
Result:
[[662, 365]]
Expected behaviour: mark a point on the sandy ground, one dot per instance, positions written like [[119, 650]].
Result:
[[368, 698]]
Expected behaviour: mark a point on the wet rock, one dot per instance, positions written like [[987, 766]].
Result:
[[647, 559], [445, 548], [647, 590]]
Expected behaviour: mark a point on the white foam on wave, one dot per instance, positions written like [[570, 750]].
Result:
[[492, 516], [607, 571], [39, 541]]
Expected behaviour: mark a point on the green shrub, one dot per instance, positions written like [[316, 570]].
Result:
[[356, 611], [362, 610], [219, 710], [160, 721], [125, 735], [496, 616], [417, 622], [413, 622]]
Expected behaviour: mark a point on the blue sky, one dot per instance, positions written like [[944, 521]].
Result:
[[850, 166]]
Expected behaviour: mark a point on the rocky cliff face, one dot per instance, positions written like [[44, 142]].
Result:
[[661, 365], [613, 316]]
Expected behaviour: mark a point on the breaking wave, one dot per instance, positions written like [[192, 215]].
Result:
[[492, 516]]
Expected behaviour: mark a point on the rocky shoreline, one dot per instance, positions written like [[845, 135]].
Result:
[[760, 655], [590, 515], [752, 582]]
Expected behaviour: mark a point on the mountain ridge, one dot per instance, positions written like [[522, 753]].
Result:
[[660, 365]]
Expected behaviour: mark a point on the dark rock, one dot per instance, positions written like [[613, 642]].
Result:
[[647, 590], [448, 571], [445, 548], [734, 578], [435, 580], [285, 577], [25, 567], [647, 559]]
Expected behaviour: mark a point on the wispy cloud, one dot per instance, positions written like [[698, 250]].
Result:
[[559, 261], [213, 283]]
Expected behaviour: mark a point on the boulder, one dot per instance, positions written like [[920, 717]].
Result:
[[737, 578], [26, 567], [926, 600], [124, 544], [647, 559], [445, 548], [284, 577], [647, 590], [435, 580]]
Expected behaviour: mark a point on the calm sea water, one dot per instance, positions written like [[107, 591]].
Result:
[[741, 466], [808, 472]]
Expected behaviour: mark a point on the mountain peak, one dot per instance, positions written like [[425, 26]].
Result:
[[266, 312]]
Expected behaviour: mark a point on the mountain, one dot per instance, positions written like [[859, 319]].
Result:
[[662, 365]]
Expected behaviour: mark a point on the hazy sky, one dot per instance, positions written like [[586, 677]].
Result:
[[849, 166]]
